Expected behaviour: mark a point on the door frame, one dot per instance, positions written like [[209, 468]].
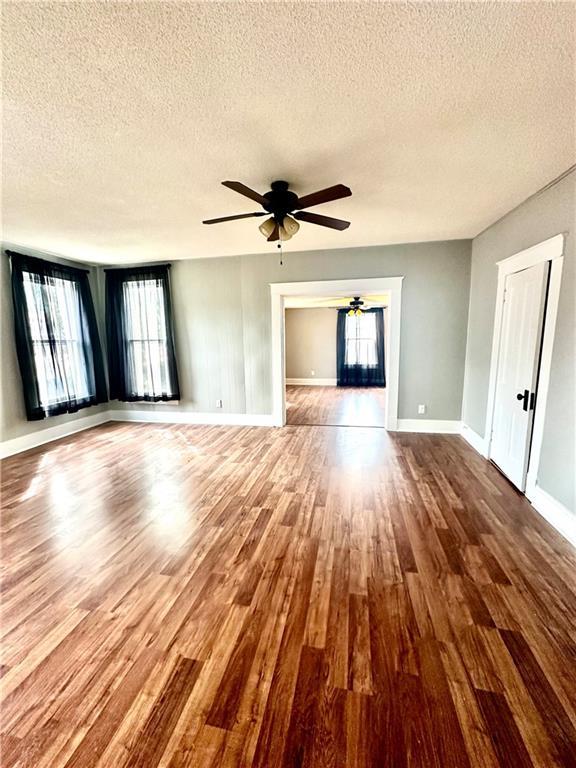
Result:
[[551, 250], [348, 287]]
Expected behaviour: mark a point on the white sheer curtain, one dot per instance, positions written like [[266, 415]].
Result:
[[146, 337], [361, 340], [56, 323]]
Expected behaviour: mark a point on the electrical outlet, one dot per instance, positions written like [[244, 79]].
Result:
[[421, 409], [218, 403], [312, 373]]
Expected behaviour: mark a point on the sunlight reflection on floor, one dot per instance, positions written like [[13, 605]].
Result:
[[336, 406]]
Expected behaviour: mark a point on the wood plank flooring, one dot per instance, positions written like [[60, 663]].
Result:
[[335, 406], [270, 598]]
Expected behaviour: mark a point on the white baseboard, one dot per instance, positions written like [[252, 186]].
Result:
[[554, 512], [480, 444], [313, 382], [42, 436], [438, 426], [169, 416], [546, 505]]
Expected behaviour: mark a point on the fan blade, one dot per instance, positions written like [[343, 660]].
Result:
[[324, 196], [323, 221], [242, 189], [233, 218], [275, 235]]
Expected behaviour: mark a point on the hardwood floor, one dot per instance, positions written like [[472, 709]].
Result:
[[336, 406], [307, 596]]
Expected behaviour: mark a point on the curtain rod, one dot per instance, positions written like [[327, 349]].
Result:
[[142, 267], [11, 253]]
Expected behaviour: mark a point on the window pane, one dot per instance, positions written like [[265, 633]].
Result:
[[146, 338], [56, 319], [361, 339]]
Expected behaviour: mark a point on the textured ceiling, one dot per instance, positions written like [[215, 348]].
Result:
[[121, 119]]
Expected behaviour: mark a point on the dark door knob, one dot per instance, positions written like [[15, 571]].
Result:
[[523, 396]]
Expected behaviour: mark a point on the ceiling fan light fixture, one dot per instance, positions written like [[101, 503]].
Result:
[[267, 227], [356, 307], [290, 225]]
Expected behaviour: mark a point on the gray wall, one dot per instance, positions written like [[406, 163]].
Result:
[[311, 343], [541, 216], [12, 412], [208, 318], [223, 323], [223, 327]]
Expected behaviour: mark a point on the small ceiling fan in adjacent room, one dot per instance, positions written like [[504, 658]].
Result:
[[286, 208], [356, 307]]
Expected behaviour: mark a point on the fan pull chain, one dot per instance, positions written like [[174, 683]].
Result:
[[281, 253]]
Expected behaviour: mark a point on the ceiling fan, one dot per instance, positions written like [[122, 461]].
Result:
[[280, 202], [356, 306]]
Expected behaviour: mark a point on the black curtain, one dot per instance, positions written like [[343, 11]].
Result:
[[360, 356], [57, 341], [139, 329]]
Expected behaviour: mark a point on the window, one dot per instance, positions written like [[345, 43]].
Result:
[[360, 349], [56, 321], [361, 339], [142, 363], [146, 336], [56, 337]]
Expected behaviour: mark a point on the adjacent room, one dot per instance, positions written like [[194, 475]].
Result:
[[287, 378], [337, 345]]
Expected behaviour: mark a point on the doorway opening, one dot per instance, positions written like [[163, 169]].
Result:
[[322, 401], [335, 360]]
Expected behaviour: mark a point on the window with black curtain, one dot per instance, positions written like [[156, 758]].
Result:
[[141, 357], [360, 349], [57, 341]]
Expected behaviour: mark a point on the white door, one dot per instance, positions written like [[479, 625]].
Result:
[[517, 372]]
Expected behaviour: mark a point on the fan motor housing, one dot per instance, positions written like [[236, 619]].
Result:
[[280, 201]]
